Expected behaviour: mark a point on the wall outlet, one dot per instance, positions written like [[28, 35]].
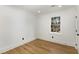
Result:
[[76, 44], [22, 38], [52, 37]]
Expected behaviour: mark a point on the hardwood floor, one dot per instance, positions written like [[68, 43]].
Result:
[[42, 47]]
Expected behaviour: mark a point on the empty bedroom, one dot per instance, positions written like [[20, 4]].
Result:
[[39, 29]]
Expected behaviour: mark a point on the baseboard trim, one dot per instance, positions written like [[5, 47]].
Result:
[[37, 39], [15, 46], [56, 43]]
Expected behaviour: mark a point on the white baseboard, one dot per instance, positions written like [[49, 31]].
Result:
[[12, 46], [56, 42]]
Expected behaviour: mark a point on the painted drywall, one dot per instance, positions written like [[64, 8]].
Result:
[[15, 24], [66, 35]]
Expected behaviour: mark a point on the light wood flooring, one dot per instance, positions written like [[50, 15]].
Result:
[[42, 47]]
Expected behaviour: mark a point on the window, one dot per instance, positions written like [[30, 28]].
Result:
[[55, 24]]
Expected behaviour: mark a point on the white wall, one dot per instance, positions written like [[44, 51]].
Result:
[[15, 24], [67, 33]]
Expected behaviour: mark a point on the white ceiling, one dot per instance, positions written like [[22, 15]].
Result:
[[42, 8]]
